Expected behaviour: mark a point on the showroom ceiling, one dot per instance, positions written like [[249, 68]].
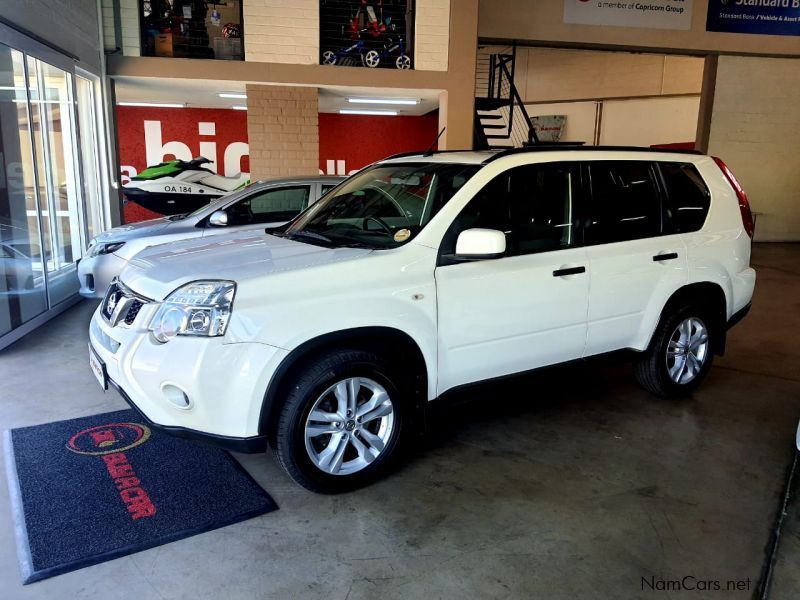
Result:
[[206, 94]]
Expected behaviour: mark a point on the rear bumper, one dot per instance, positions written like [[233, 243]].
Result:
[[739, 315], [248, 445]]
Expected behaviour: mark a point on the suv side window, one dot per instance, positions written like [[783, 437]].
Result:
[[688, 196], [625, 202], [532, 204], [281, 204]]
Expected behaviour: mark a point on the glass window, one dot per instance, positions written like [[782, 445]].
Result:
[[532, 204], [688, 196], [382, 207], [22, 284], [90, 160], [326, 187], [541, 207], [625, 202], [271, 206], [56, 158]]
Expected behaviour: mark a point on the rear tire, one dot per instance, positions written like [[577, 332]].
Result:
[[680, 353], [342, 424]]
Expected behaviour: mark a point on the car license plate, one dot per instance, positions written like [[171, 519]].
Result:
[[98, 368]]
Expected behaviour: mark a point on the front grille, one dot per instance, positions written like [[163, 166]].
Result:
[[133, 310], [121, 305]]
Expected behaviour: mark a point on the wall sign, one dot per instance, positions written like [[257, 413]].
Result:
[[549, 128], [652, 14], [769, 17]]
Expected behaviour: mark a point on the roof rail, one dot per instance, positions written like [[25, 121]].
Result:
[[428, 153], [550, 147]]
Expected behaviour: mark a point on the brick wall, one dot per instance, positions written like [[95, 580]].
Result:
[[432, 35], [129, 23], [283, 131], [755, 129], [109, 35], [281, 31]]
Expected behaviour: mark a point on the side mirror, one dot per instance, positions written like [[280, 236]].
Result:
[[481, 243], [219, 218]]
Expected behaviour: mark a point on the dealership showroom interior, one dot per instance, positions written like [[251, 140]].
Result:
[[400, 299]]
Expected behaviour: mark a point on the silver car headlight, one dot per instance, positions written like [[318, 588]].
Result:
[[104, 248], [200, 308]]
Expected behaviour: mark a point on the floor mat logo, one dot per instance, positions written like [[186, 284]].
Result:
[[110, 443], [108, 439]]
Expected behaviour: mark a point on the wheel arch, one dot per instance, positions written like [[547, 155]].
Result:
[[397, 345], [706, 293]]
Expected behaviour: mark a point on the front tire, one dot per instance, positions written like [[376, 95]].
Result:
[[342, 423], [680, 353]]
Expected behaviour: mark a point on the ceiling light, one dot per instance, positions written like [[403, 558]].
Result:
[[237, 95], [405, 101], [239, 107], [386, 113], [153, 104]]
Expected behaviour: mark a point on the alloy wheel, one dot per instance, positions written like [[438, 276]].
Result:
[[349, 426], [403, 62], [687, 350]]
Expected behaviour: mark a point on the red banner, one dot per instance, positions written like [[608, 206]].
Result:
[[347, 143]]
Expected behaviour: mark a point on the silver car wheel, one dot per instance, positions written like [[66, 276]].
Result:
[[687, 350], [349, 426]]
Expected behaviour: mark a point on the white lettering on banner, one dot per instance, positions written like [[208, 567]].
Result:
[[651, 14], [336, 167], [154, 150]]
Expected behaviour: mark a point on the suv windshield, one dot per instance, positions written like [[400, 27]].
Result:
[[381, 207]]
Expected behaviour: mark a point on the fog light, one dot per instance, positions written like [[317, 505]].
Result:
[[175, 395]]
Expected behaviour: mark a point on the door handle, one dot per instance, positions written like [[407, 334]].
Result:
[[568, 271], [665, 256]]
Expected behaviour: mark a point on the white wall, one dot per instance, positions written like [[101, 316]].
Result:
[[755, 129], [636, 122], [649, 121]]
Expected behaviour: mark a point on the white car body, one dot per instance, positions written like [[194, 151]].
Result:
[[471, 321], [95, 271]]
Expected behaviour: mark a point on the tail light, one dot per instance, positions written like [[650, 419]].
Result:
[[744, 205]]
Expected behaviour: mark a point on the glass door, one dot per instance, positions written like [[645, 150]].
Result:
[[50, 185], [54, 141], [23, 293]]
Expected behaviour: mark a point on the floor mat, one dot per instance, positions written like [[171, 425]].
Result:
[[88, 490]]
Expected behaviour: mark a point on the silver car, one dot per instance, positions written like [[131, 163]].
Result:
[[259, 205]]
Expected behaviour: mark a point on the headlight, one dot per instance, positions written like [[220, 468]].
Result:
[[199, 308], [104, 248]]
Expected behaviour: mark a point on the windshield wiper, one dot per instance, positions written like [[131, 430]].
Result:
[[309, 234]]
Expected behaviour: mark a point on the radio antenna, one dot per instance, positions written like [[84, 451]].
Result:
[[429, 151]]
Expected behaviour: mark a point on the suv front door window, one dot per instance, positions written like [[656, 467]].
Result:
[[537, 317]]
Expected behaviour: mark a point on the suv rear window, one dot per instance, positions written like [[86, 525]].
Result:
[[625, 202], [689, 197]]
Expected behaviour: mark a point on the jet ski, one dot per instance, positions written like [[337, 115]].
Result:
[[178, 186]]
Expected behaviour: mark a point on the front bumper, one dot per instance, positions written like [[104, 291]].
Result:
[[249, 445], [96, 272], [223, 384]]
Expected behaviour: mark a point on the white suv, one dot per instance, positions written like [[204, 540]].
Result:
[[420, 274]]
